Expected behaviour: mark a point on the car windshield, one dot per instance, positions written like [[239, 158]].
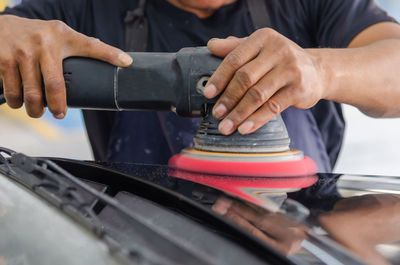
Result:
[[36, 234], [164, 216]]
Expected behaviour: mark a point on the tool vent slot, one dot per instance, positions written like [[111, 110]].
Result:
[[67, 79]]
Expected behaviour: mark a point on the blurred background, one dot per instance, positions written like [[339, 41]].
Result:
[[371, 146]]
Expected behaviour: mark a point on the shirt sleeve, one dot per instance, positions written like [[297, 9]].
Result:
[[68, 11], [337, 22]]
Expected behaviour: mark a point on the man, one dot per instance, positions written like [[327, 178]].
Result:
[[273, 70]]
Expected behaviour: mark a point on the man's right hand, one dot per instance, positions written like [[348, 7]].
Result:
[[34, 49]]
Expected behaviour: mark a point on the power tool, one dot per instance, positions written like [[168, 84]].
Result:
[[176, 82]]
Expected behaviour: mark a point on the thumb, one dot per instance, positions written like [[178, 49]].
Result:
[[222, 47]]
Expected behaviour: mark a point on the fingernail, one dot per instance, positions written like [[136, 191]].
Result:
[[59, 116], [213, 39], [221, 206], [219, 111], [125, 59], [246, 127], [210, 91], [225, 127]]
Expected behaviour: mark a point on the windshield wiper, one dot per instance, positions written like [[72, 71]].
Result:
[[51, 177], [47, 179]]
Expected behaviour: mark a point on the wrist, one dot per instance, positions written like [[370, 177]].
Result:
[[324, 65]]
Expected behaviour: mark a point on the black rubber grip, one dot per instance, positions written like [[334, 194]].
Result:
[[89, 83]]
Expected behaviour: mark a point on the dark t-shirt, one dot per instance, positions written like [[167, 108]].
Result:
[[151, 137]]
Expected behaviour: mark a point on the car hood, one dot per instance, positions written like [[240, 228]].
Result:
[[316, 219], [345, 215]]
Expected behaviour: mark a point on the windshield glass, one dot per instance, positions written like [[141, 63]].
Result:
[[34, 233], [302, 217]]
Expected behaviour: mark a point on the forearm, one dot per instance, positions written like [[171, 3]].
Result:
[[367, 77]]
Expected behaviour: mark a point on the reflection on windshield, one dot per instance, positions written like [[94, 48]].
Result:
[[268, 192], [361, 223], [276, 230]]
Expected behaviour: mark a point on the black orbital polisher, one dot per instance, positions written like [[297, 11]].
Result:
[[176, 81]]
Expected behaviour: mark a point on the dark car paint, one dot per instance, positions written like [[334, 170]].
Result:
[[180, 210]]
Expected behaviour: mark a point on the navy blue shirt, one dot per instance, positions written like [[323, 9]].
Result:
[[152, 137]]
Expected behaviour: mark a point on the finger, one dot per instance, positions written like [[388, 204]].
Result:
[[273, 225], [222, 205], [54, 84], [255, 215], [249, 213], [262, 224], [274, 106], [31, 82], [254, 98], [94, 48], [221, 47], [12, 88], [243, 223], [244, 78], [241, 55], [268, 222]]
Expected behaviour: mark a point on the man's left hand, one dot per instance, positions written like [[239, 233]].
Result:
[[261, 76]]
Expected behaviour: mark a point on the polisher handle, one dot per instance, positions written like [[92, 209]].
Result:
[[155, 81], [89, 84]]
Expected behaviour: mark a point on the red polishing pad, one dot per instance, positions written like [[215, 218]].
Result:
[[284, 164]]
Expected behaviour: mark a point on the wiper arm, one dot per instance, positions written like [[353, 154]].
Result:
[[3, 159], [52, 178]]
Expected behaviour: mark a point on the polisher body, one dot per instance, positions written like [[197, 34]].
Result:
[[176, 81]]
